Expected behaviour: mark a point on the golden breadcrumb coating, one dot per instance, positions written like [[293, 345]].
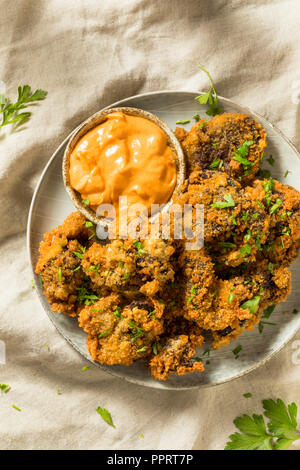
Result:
[[132, 330], [176, 357], [214, 143]]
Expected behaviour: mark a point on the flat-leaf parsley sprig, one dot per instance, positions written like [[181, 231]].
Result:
[[10, 112], [211, 97], [280, 433]]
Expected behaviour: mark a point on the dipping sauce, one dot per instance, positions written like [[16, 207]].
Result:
[[123, 156]]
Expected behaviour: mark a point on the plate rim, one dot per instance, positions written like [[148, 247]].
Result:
[[158, 385]]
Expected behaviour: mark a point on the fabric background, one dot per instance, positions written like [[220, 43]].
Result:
[[88, 54]]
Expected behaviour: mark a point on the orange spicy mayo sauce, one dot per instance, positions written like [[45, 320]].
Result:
[[123, 156]]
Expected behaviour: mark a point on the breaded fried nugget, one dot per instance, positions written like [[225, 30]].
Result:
[[130, 266], [230, 131], [248, 296], [249, 234], [221, 197], [131, 332], [59, 263], [239, 301], [175, 358], [198, 150], [283, 204], [216, 143], [60, 277], [198, 277]]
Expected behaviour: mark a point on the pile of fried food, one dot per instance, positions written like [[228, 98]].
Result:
[[155, 301]]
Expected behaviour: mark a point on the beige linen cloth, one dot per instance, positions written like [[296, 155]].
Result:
[[88, 54]]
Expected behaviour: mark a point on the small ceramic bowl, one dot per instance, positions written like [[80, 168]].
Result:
[[94, 121]]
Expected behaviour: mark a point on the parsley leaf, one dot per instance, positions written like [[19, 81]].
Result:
[[237, 351], [105, 415], [229, 202], [252, 304], [136, 331], [184, 121], [271, 160], [276, 206], [282, 428], [10, 111], [5, 388], [242, 152], [211, 97]]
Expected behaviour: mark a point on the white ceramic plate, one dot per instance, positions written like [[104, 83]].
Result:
[[51, 205]]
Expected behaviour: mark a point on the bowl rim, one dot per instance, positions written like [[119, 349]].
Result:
[[158, 386], [100, 117]]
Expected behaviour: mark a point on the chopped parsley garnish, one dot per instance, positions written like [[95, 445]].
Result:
[[105, 333], [117, 313], [270, 267], [242, 152], [196, 359], [215, 163], [252, 304], [245, 250], [268, 311], [276, 206], [211, 97], [184, 121], [16, 407], [89, 224], [228, 202], [234, 222], [154, 347], [79, 255], [85, 296], [279, 434], [139, 246], [227, 244], [136, 332], [5, 388], [193, 292], [94, 268], [271, 160], [262, 323], [105, 415], [237, 351], [264, 173], [268, 186]]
